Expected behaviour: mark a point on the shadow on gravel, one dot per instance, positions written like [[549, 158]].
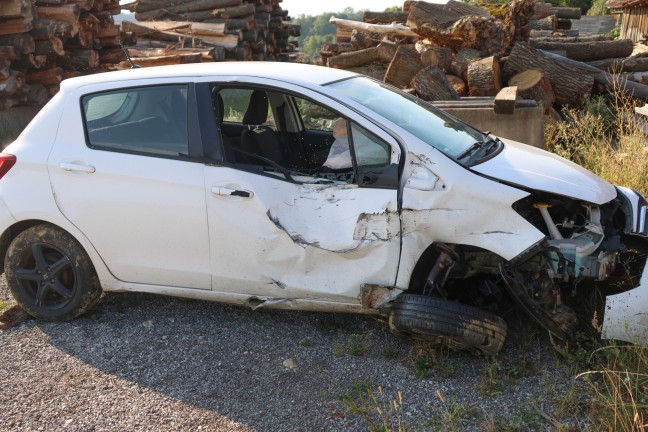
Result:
[[231, 361]]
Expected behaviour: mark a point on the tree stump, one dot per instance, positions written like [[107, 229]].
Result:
[[531, 84], [437, 56], [431, 84], [458, 84], [460, 62], [484, 77], [403, 67]]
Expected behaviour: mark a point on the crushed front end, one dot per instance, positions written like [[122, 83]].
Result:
[[584, 241]]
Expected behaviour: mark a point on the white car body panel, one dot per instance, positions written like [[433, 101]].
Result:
[[124, 205], [626, 314], [239, 249], [533, 168]]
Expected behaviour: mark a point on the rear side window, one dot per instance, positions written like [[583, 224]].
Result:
[[150, 120]]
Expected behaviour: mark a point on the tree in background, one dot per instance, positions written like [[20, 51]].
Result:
[[317, 30]]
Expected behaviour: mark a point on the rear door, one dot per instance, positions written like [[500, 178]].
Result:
[[119, 172]]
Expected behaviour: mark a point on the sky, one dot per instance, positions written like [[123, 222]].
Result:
[[313, 7]]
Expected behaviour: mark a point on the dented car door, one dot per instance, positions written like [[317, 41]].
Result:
[[279, 236]]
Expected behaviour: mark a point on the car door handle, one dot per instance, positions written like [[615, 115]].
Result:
[[70, 166], [227, 191]]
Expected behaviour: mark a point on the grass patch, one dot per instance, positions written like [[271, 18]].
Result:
[[381, 411], [429, 357]]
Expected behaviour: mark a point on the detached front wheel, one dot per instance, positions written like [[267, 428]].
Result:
[[50, 275], [456, 324]]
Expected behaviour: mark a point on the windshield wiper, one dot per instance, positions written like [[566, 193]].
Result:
[[470, 150]]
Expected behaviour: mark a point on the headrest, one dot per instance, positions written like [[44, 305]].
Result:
[[257, 110]]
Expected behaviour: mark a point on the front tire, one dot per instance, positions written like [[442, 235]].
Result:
[[443, 320], [50, 275]]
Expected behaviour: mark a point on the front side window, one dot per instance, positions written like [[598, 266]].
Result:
[[293, 137], [148, 120]]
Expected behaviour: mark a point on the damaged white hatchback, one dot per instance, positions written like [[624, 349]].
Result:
[[303, 187]]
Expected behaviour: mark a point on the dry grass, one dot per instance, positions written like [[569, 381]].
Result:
[[608, 138]]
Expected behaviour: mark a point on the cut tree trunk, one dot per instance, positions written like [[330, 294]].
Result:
[[393, 29], [431, 84], [571, 13], [542, 10], [46, 77], [362, 40], [441, 57], [458, 84], [484, 78], [618, 65], [464, 57], [448, 25], [384, 17], [612, 83], [571, 83], [548, 24], [403, 67], [587, 51], [531, 84], [387, 51], [354, 58]]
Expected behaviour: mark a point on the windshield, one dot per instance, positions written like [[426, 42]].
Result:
[[417, 117]]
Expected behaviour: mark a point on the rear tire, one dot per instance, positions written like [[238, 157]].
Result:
[[50, 275], [453, 323]]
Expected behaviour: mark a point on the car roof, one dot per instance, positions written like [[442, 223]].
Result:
[[297, 73]]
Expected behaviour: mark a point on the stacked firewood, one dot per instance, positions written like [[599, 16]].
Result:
[[445, 52], [221, 29], [45, 41]]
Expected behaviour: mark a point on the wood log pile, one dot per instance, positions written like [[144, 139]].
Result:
[[45, 41], [211, 30], [445, 52]]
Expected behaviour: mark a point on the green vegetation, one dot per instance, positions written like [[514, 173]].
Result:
[[381, 411], [316, 30]]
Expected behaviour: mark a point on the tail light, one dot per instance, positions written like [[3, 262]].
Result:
[[6, 162]]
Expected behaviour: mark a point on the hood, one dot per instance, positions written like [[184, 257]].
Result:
[[533, 168]]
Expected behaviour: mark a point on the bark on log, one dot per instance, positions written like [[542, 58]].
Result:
[[45, 77], [235, 11], [23, 43], [484, 78], [458, 84], [393, 29], [542, 10], [639, 77], [7, 53], [567, 13], [608, 81], [444, 26], [376, 70], [431, 84], [362, 40], [588, 51], [387, 51], [566, 40], [548, 33], [462, 59], [548, 24], [532, 84], [618, 65], [384, 17], [186, 28], [80, 60], [17, 25], [403, 67], [571, 83], [354, 58], [164, 60], [440, 57]]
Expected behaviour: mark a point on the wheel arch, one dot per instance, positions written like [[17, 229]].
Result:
[[14, 230]]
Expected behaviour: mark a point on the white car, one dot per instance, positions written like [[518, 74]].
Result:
[[214, 182]]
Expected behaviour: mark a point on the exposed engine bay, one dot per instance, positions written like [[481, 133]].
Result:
[[583, 242]]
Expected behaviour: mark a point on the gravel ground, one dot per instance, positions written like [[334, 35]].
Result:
[[144, 362]]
